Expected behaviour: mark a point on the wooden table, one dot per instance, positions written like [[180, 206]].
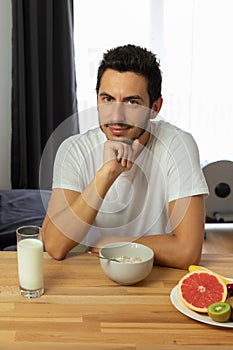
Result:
[[83, 309]]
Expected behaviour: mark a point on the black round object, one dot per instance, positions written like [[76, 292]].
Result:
[[222, 190]]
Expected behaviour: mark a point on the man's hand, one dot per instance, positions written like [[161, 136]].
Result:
[[121, 154]]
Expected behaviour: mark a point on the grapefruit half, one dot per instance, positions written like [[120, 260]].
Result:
[[199, 289], [200, 268]]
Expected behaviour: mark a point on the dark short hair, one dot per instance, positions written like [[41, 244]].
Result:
[[131, 58]]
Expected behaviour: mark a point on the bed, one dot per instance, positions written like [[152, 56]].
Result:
[[18, 208]]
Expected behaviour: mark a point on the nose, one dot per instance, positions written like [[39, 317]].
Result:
[[117, 112]]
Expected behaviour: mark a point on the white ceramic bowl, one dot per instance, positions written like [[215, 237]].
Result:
[[127, 272]]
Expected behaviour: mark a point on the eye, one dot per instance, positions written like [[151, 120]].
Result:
[[132, 101], [106, 98]]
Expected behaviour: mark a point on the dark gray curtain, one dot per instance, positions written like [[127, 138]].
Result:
[[43, 82]]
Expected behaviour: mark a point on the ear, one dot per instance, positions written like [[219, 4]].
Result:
[[156, 107]]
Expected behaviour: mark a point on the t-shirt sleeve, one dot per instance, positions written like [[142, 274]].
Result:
[[185, 176], [66, 170]]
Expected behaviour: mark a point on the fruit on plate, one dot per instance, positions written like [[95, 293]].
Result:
[[199, 289], [230, 289], [230, 302], [201, 268], [220, 311]]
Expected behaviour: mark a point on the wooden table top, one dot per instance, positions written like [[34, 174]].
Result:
[[83, 309]]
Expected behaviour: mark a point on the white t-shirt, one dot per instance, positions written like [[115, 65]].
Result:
[[137, 203]]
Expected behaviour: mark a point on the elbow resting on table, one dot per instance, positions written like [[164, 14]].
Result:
[[55, 253], [189, 258], [54, 247]]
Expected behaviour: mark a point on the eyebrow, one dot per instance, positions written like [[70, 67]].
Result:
[[127, 98], [105, 94]]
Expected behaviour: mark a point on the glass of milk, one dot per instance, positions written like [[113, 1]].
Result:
[[30, 261]]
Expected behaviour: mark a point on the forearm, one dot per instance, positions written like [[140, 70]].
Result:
[[171, 251], [168, 250], [183, 246], [67, 225]]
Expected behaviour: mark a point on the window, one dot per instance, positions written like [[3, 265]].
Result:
[[99, 26], [198, 73]]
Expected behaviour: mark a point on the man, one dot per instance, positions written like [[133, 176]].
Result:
[[134, 178]]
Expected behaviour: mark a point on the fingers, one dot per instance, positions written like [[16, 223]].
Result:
[[135, 145], [128, 152], [124, 155], [124, 152]]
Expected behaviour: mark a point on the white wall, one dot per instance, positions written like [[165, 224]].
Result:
[[5, 93]]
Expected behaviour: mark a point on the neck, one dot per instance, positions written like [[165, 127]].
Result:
[[145, 135]]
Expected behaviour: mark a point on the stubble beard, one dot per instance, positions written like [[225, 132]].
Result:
[[141, 130]]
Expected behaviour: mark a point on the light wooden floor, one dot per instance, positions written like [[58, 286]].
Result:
[[219, 238]]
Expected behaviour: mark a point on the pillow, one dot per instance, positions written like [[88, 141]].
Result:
[[19, 207]]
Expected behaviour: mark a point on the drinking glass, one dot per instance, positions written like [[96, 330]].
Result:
[[30, 261]]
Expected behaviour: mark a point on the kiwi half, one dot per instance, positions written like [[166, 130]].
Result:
[[219, 311]]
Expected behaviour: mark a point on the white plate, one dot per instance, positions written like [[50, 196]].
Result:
[[179, 305]]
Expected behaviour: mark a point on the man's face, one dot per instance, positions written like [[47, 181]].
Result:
[[123, 105]]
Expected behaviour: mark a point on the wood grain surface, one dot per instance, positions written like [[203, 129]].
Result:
[[83, 309]]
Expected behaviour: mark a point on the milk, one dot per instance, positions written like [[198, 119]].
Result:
[[30, 263]]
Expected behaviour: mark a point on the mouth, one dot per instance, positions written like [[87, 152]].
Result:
[[118, 129]]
